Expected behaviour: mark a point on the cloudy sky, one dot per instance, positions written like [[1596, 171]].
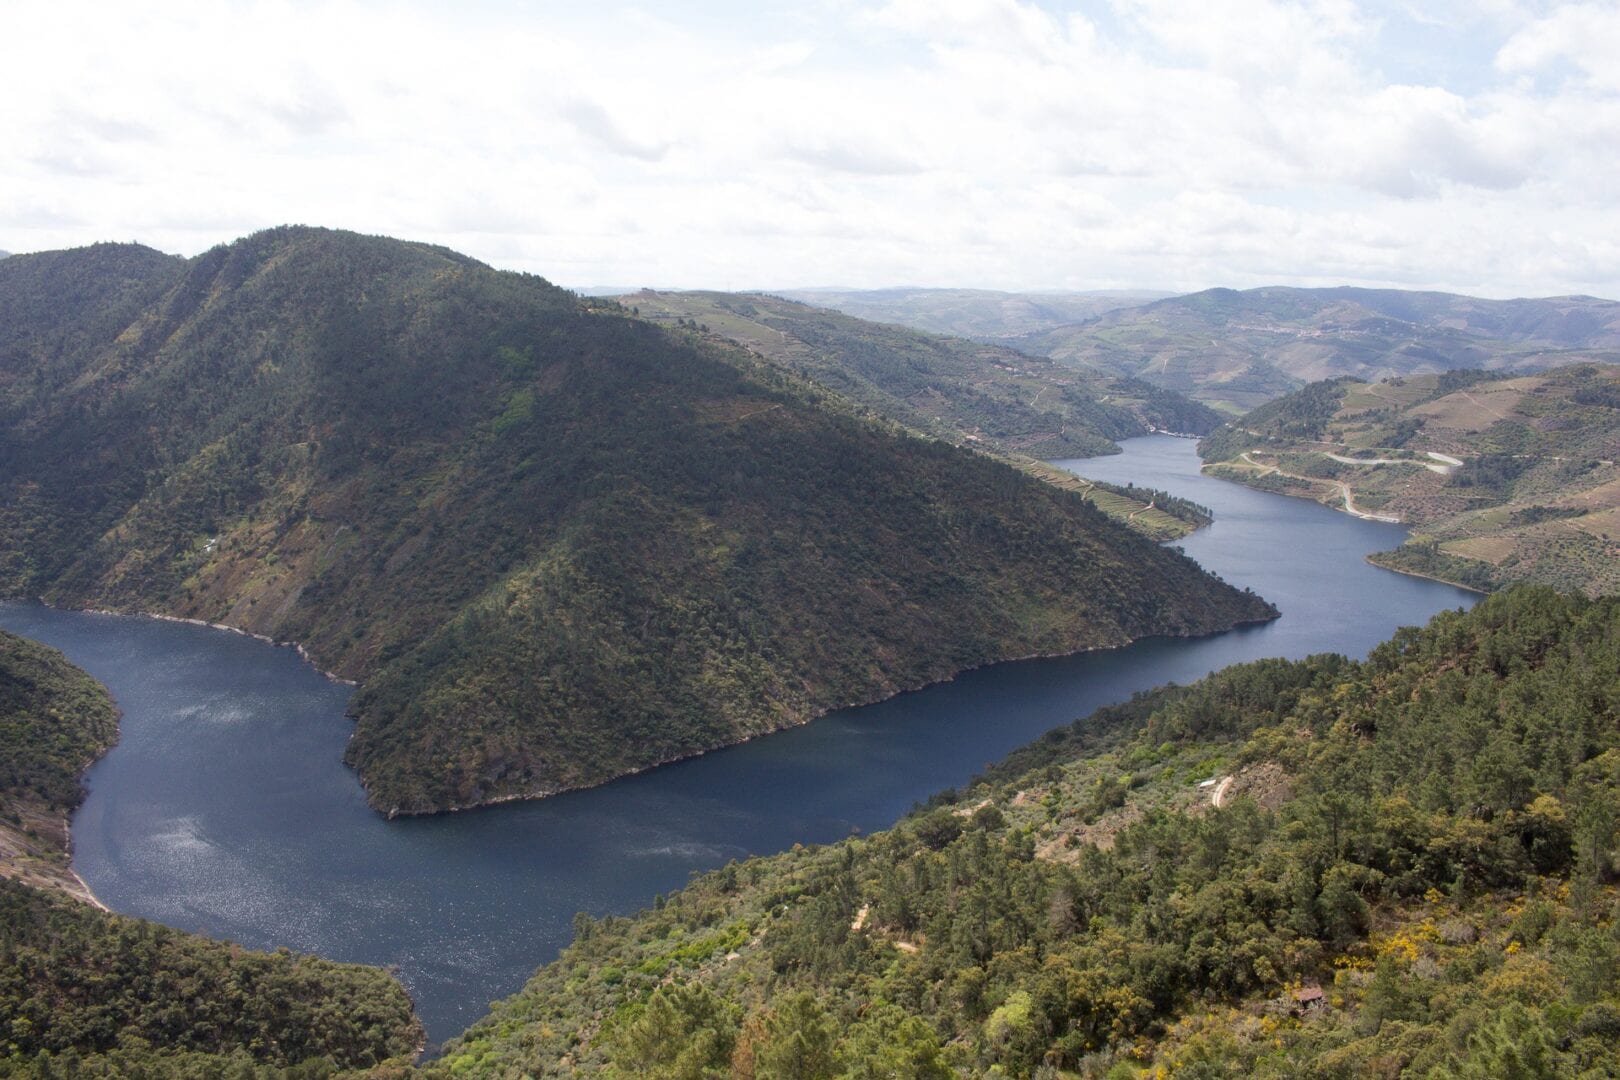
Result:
[[1470, 145]]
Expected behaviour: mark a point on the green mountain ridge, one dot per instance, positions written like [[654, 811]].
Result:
[[557, 543], [1237, 350], [1403, 866], [946, 386], [1022, 408]]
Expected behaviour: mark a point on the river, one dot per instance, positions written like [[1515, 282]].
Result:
[[225, 808]]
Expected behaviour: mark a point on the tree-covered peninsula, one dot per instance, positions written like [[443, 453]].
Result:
[[54, 722], [556, 542], [1403, 866]]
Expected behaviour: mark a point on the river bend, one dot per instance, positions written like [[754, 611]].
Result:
[[225, 808]]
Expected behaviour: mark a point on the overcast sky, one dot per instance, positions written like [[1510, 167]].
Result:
[[1471, 146]]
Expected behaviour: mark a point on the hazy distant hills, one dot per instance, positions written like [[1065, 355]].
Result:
[[947, 386], [557, 542], [974, 313], [1236, 350], [1504, 478]]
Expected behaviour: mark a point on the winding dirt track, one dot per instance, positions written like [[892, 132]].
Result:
[[1341, 486]]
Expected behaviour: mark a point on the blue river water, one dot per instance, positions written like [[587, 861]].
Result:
[[225, 807]]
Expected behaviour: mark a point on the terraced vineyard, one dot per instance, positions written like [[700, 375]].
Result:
[[1504, 478], [1237, 350]]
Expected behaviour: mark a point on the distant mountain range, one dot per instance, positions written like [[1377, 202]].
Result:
[[1504, 478], [947, 386], [1236, 350], [973, 313], [557, 542]]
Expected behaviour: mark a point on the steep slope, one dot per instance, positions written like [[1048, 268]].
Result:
[[557, 542], [1428, 838], [87, 990], [54, 721], [58, 307], [946, 386], [1024, 409], [1236, 350], [1505, 478], [973, 313]]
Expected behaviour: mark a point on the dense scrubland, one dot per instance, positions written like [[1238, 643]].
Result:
[[1406, 865], [1429, 836]]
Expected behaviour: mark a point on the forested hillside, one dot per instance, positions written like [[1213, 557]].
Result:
[[91, 994], [556, 542], [1402, 866], [54, 721], [85, 993], [947, 386], [1236, 350], [1504, 477], [1025, 409]]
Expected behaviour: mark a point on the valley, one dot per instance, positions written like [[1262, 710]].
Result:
[[226, 809], [948, 386], [1237, 349], [973, 313], [1087, 907], [467, 545], [878, 540], [556, 543]]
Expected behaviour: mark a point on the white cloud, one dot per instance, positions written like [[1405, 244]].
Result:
[[1585, 35], [594, 122], [983, 142]]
